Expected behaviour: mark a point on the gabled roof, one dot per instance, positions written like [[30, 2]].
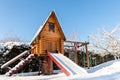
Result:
[[41, 27]]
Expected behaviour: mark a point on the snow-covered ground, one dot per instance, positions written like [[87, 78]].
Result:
[[106, 71]]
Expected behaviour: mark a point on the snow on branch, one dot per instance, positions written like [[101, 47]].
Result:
[[106, 42]]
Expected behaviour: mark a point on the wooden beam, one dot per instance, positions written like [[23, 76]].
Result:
[[68, 46], [83, 43]]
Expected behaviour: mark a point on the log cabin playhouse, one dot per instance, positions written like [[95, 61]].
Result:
[[49, 37]]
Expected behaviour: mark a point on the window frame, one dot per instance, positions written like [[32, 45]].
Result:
[[52, 26]]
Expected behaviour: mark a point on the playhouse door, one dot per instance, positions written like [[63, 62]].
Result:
[[52, 46]]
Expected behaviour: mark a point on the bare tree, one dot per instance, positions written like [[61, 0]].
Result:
[[107, 42]]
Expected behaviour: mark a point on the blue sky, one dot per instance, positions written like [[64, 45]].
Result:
[[22, 18]]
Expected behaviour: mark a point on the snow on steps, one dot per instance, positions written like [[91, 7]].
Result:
[[20, 65], [13, 60]]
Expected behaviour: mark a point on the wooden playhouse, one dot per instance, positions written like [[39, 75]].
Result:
[[49, 37]]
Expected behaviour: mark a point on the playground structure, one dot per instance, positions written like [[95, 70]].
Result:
[[76, 45], [48, 46]]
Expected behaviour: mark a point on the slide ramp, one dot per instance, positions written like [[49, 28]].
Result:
[[66, 65]]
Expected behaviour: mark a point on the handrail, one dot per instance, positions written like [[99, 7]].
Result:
[[14, 59]]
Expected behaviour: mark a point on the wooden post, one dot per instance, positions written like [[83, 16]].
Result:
[[87, 57], [76, 56], [39, 65], [50, 66], [47, 65]]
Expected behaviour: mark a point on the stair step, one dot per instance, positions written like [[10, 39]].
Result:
[[20, 65]]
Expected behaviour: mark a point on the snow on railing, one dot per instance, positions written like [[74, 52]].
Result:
[[20, 65], [13, 60]]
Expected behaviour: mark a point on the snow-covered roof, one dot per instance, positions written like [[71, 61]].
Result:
[[37, 33], [41, 27]]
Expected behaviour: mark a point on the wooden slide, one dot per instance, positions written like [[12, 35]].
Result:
[[66, 65]]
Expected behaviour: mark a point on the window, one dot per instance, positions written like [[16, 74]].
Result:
[[51, 26]]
